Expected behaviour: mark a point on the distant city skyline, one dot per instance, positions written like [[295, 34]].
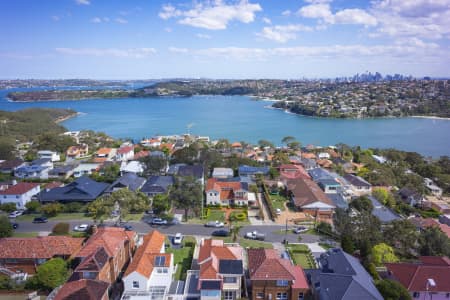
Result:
[[143, 39]]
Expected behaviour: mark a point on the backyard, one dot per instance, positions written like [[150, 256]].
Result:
[[183, 256], [278, 201]]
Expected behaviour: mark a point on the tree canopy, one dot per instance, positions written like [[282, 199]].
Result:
[[383, 253], [187, 194], [6, 229]]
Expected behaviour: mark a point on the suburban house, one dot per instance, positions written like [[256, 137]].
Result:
[[195, 171], [19, 193], [52, 155], [152, 142], [85, 169], [427, 279], [275, 278], [104, 255], [128, 181], [9, 166], [384, 214], [26, 254], [410, 196], [151, 270], [221, 270], [320, 174], [291, 171], [64, 171], [104, 154], [306, 196], [86, 289], [227, 192], [222, 173], [358, 184], [83, 189], [434, 189], [125, 153], [329, 186], [77, 151], [133, 166], [249, 171], [32, 171], [157, 185], [341, 276], [308, 163]]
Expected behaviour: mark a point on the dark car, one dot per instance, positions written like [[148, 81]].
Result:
[[220, 233], [40, 220], [14, 225]]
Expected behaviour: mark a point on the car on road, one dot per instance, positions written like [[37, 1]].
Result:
[[215, 224], [255, 235], [221, 232], [40, 220], [300, 229], [81, 228], [14, 225], [158, 221], [15, 214], [177, 239]]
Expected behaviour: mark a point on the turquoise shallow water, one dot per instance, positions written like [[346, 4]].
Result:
[[239, 118]]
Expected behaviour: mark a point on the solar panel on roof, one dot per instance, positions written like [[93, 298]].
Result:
[[160, 261]]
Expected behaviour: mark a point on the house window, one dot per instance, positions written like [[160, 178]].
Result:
[[281, 296], [260, 295], [416, 294], [301, 296], [282, 283], [135, 284], [229, 280], [228, 295], [165, 270]]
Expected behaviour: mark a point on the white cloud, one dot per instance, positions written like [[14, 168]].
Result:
[[115, 52], [323, 12], [168, 29], [286, 13], [56, 18], [83, 2], [96, 20], [283, 33], [212, 16], [121, 21], [178, 50], [203, 36], [267, 20]]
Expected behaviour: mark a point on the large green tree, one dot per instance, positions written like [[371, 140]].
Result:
[[392, 290], [161, 203], [187, 194], [433, 242], [153, 164], [52, 274], [383, 253], [402, 235], [6, 229]]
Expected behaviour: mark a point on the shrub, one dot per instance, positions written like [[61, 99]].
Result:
[[51, 210], [238, 216], [6, 229], [61, 229], [8, 207], [33, 206], [74, 207]]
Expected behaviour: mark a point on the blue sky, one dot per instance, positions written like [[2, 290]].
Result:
[[133, 39]]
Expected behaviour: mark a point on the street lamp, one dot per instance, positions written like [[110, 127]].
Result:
[[430, 283]]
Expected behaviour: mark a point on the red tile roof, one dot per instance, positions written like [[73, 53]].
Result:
[[125, 149], [144, 257], [445, 229], [414, 276], [86, 289], [39, 247], [306, 192], [290, 171], [112, 238], [225, 188], [211, 252], [19, 188], [266, 264]]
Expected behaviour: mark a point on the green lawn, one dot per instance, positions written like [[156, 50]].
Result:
[[59, 217], [278, 202], [301, 256], [246, 243], [24, 234], [183, 257], [134, 217]]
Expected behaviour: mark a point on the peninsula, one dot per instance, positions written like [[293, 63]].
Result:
[[356, 97]]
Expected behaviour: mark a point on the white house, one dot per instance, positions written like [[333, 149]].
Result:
[[33, 171], [20, 193], [133, 166], [85, 169], [227, 193], [125, 153], [52, 155], [324, 155], [150, 273]]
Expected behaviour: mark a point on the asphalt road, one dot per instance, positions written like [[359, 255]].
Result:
[[274, 233]]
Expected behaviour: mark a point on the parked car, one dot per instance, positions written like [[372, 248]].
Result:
[[300, 229], [14, 225], [15, 214], [127, 227], [216, 224], [255, 235], [81, 228], [40, 220], [158, 221], [221, 232], [278, 211], [177, 239]]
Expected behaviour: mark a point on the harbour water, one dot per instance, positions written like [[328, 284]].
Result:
[[239, 118]]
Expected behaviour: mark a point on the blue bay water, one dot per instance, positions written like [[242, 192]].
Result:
[[238, 118]]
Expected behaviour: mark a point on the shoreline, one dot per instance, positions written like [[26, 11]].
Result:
[[430, 117], [62, 119]]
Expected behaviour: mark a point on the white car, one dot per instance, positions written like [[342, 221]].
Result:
[[81, 228], [215, 224], [177, 239], [15, 214]]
